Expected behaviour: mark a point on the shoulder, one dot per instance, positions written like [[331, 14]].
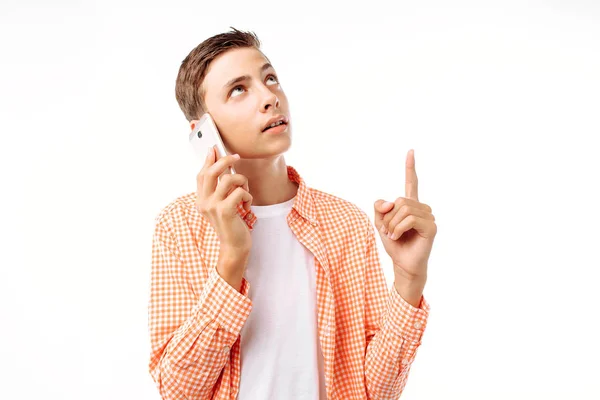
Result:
[[178, 213]]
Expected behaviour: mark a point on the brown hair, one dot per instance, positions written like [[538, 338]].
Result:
[[188, 87]]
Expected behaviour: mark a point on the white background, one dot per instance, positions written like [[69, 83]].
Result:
[[499, 99]]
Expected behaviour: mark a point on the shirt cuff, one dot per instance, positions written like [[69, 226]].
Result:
[[406, 320], [248, 216], [224, 304]]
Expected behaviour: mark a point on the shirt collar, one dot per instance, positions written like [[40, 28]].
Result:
[[304, 203]]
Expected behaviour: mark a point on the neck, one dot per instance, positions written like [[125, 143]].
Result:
[[268, 180]]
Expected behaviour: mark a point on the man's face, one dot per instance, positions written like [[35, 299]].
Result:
[[243, 96]]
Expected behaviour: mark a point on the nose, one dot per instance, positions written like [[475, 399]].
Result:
[[269, 99]]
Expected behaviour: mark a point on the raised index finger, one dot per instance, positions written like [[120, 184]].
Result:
[[412, 182]]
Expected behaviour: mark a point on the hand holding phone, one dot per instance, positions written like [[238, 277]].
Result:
[[220, 193], [218, 200]]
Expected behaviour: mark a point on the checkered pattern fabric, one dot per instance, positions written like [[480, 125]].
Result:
[[369, 334]]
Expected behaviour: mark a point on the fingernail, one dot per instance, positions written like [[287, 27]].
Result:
[[236, 156], [392, 236], [387, 204]]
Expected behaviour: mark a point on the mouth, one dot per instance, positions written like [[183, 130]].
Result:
[[275, 122]]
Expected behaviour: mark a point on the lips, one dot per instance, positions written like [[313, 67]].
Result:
[[275, 121]]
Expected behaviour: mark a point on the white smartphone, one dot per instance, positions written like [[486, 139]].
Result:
[[206, 135]]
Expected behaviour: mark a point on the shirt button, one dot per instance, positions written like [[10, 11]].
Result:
[[418, 325], [404, 361], [226, 349], [249, 215]]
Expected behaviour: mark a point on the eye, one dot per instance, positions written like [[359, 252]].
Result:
[[273, 78], [236, 91]]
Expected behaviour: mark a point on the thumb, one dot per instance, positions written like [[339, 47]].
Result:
[[381, 208]]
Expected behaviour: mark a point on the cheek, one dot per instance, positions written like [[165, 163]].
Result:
[[236, 121], [244, 117], [233, 115]]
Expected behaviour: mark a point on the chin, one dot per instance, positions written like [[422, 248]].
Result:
[[273, 149]]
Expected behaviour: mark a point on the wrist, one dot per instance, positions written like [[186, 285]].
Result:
[[231, 267], [233, 255], [410, 289]]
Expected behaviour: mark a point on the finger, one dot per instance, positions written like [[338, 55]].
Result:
[[412, 183], [246, 204], [210, 158], [387, 218], [398, 204], [223, 163], [401, 201], [238, 195], [212, 174], [403, 213], [422, 226], [217, 158], [208, 161], [381, 207], [228, 183]]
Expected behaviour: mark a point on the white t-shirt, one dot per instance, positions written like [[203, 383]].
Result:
[[281, 355]]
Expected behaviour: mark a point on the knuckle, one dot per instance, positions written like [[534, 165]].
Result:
[[209, 210], [212, 172], [386, 221], [209, 206], [228, 160], [237, 178], [201, 207], [226, 179]]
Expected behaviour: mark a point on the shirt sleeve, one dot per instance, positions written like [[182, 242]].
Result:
[[191, 335], [394, 329]]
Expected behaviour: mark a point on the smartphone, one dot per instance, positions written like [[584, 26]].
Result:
[[206, 135]]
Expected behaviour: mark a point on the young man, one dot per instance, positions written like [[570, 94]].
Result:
[[265, 288]]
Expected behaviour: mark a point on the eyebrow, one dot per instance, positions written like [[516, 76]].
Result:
[[245, 77]]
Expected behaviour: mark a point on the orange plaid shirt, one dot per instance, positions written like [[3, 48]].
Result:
[[369, 334]]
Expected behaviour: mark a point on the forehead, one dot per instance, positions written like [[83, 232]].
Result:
[[232, 64]]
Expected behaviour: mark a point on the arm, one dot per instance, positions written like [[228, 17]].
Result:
[[191, 334], [393, 330]]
